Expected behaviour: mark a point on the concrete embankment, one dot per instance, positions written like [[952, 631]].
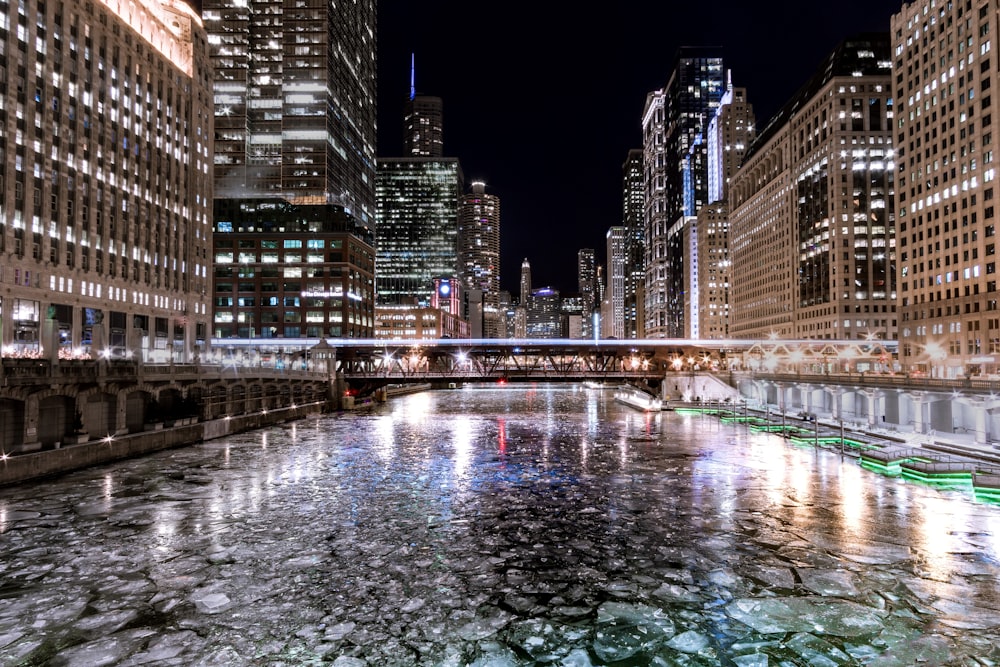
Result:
[[36, 465]]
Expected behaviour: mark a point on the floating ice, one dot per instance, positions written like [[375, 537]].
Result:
[[820, 616], [210, 603]]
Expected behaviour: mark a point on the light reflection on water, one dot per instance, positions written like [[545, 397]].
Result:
[[495, 524]]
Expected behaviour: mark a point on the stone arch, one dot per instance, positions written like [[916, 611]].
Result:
[[99, 408], [238, 399], [135, 402], [11, 424], [215, 401], [60, 413]]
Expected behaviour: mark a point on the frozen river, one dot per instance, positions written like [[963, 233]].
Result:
[[496, 526]]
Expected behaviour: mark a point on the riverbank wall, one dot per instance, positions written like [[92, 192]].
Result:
[[67, 458]]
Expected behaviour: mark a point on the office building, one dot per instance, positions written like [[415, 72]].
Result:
[[479, 253], [416, 238], [586, 277], [105, 188], [288, 271], [812, 221], [294, 123], [423, 122], [949, 320], [613, 321], [730, 133], [544, 315], [675, 158], [525, 283], [633, 196]]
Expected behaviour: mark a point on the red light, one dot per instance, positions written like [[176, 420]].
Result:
[[502, 381]]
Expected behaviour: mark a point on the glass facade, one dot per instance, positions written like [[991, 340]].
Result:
[[416, 236]]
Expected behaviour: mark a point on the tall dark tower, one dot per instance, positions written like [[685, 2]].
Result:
[[674, 123], [294, 167], [423, 134]]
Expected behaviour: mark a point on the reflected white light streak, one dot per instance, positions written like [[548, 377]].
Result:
[[416, 408], [385, 440], [853, 503], [462, 435], [938, 527]]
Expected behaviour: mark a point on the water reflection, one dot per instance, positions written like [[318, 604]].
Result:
[[486, 526]]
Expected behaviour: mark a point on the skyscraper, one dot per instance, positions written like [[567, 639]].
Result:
[[423, 122], [730, 133], [614, 321], [674, 121], [525, 283], [586, 274], [812, 226], [416, 237], [633, 196], [417, 201], [294, 124], [479, 252], [295, 101], [946, 146], [105, 200]]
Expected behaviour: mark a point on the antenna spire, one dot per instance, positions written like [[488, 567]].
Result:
[[413, 76]]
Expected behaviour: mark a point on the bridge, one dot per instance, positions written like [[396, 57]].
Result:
[[371, 361], [48, 402]]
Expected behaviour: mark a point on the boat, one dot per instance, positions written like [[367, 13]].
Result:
[[591, 384], [638, 399]]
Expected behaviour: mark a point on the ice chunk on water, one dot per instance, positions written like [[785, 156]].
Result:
[[816, 651], [481, 628], [104, 651], [210, 603], [926, 650], [823, 616], [838, 583], [753, 660], [576, 658], [345, 661], [101, 625], [627, 629], [688, 642]]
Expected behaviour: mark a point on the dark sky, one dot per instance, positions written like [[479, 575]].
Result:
[[543, 99]]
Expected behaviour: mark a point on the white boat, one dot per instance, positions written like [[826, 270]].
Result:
[[638, 399], [591, 384]]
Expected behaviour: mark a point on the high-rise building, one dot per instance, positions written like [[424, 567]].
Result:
[[949, 319], [105, 195], [812, 221], [525, 283], [586, 277], [730, 133], [674, 122], [633, 196], [295, 102], [544, 315], [479, 252], [294, 124], [291, 271], [423, 122], [614, 321], [416, 238]]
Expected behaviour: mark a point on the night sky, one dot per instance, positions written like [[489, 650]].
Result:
[[544, 105]]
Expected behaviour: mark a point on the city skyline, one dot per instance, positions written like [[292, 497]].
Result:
[[554, 153]]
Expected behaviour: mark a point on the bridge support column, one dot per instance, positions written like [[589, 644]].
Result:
[[837, 393], [920, 406], [872, 396], [338, 388]]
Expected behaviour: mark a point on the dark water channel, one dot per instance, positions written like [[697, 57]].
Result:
[[492, 527]]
